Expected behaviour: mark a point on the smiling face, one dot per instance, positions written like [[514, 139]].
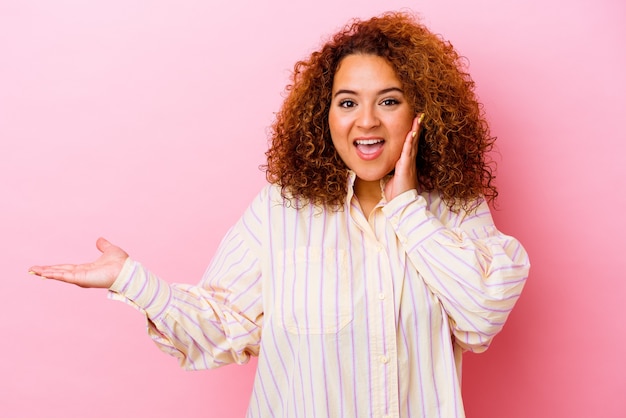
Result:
[[369, 117]]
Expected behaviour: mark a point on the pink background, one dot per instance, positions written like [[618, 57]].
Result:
[[145, 122]]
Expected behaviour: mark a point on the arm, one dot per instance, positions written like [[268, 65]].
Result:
[[476, 272], [214, 323], [204, 326]]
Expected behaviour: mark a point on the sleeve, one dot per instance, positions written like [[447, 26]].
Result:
[[218, 321], [476, 272]]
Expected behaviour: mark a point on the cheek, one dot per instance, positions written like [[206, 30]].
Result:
[[338, 130], [334, 122], [403, 126], [406, 122]]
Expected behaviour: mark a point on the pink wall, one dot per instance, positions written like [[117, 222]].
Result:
[[145, 121]]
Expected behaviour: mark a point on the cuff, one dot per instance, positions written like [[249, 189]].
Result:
[[138, 287], [410, 218]]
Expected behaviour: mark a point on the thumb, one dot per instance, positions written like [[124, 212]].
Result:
[[102, 244]]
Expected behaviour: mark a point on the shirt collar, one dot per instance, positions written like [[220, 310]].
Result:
[[352, 180]]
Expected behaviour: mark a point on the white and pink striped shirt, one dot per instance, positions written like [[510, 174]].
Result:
[[350, 317]]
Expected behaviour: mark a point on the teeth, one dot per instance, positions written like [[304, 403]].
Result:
[[368, 141]]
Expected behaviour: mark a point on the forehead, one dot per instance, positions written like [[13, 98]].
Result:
[[365, 71]]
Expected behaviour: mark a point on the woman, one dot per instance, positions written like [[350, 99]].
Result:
[[370, 262]]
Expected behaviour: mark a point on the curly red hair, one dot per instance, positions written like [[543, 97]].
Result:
[[454, 139]]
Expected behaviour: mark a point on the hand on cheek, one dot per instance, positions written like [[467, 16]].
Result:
[[405, 174]]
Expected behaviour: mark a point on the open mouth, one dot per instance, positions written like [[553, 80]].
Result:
[[369, 148]]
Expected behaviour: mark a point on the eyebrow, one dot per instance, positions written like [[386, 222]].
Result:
[[384, 91]]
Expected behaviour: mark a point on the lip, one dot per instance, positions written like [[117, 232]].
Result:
[[369, 156]]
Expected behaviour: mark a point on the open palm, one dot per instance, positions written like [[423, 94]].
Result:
[[100, 273]]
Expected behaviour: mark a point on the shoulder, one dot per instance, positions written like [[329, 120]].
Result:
[[454, 216], [269, 192], [269, 199], [273, 196]]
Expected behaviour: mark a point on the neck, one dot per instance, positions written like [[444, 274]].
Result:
[[368, 193]]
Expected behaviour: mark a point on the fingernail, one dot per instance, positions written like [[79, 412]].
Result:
[[35, 274]]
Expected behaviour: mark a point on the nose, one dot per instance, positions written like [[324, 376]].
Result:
[[367, 117]]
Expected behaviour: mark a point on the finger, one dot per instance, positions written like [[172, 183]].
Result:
[[43, 270], [420, 119], [410, 143], [64, 276], [412, 136], [414, 127], [51, 273], [57, 270], [36, 270], [102, 244], [415, 130], [53, 268]]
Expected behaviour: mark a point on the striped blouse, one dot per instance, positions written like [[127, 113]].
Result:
[[350, 316]]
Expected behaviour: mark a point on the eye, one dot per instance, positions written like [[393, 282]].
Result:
[[389, 102], [347, 103]]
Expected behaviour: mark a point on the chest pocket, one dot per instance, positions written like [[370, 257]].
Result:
[[314, 291]]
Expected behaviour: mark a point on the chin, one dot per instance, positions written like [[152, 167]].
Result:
[[369, 176]]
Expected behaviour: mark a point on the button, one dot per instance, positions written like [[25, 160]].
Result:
[[380, 248], [383, 359], [381, 296]]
